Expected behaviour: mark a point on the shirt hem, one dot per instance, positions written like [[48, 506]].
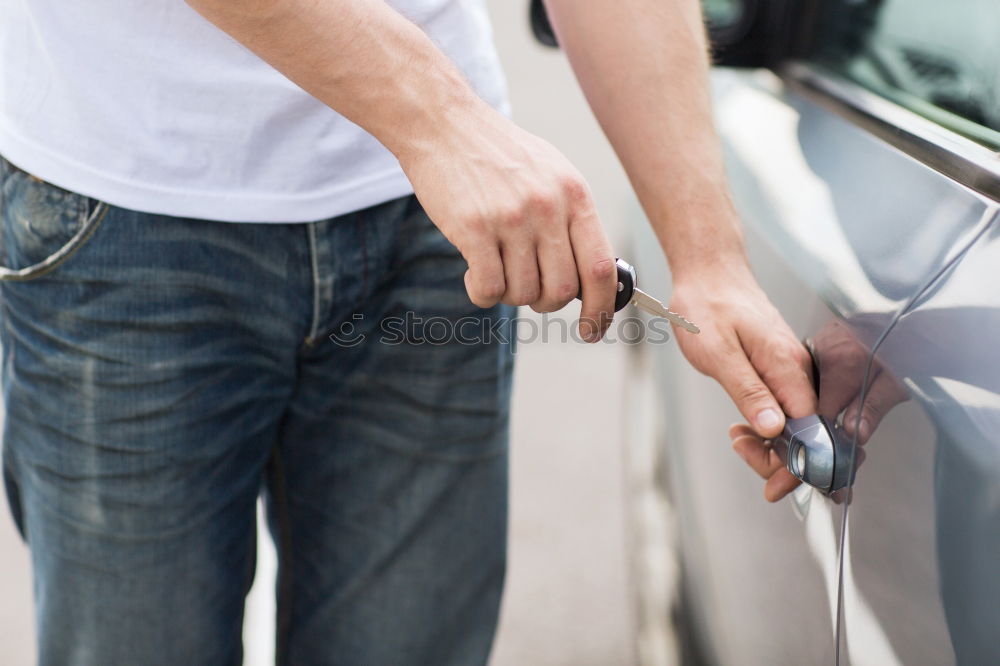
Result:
[[217, 206]]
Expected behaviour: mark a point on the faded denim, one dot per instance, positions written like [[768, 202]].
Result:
[[160, 373]]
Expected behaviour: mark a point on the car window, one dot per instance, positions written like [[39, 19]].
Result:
[[938, 58], [723, 13]]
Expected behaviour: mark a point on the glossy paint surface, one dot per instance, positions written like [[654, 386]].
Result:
[[925, 519], [849, 237]]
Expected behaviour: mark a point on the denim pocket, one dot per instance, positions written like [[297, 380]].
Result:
[[41, 225]]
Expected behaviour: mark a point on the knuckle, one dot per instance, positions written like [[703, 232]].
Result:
[[575, 190], [542, 203], [479, 299], [513, 220], [775, 347], [790, 350], [482, 299], [751, 393], [542, 306], [472, 223], [509, 217], [565, 292], [481, 302], [602, 270], [528, 295], [492, 290], [785, 354], [484, 287]]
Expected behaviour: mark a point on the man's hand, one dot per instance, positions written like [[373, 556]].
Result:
[[520, 214], [843, 363], [749, 349], [745, 345]]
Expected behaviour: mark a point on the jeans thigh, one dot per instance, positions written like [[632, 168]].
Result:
[[390, 491], [141, 403]]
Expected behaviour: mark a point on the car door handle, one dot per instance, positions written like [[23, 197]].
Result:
[[816, 452]]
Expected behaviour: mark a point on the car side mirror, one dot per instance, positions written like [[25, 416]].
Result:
[[743, 33], [541, 26]]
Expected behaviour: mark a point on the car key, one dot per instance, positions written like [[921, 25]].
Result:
[[628, 292]]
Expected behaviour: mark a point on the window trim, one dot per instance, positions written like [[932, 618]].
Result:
[[957, 157]]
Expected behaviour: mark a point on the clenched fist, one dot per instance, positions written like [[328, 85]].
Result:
[[520, 214]]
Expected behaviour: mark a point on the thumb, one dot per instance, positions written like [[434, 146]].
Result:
[[784, 365], [751, 395]]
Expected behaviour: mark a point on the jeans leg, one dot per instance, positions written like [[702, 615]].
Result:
[[391, 500], [144, 380]]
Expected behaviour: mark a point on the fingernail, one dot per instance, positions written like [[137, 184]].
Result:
[[767, 419], [865, 430], [850, 422]]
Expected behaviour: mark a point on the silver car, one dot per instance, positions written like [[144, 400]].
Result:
[[861, 140]]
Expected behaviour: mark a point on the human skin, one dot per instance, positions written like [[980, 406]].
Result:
[[851, 386], [521, 215]]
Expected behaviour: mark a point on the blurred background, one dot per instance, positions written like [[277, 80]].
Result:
[[571, 596]]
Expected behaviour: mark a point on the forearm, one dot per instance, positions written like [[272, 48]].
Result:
[[643, 65], [516, 209], [361, 58]]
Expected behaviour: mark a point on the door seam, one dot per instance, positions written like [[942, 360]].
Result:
[[987, 221]]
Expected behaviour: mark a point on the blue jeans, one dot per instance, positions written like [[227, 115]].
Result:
[[159, 374]]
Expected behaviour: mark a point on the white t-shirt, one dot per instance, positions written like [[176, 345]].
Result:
[[146, 105]]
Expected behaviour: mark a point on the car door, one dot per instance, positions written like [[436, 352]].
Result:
[[855, 206], [923, 535], [922, 538]]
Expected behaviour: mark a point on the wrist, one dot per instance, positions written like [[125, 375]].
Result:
[[438, 114], [697, 224], [716, 274], [696, 249]]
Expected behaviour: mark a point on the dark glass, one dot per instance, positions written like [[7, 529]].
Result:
[[939, 59], [723, 13]]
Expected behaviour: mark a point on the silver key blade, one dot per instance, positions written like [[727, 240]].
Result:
[[646, 302]]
